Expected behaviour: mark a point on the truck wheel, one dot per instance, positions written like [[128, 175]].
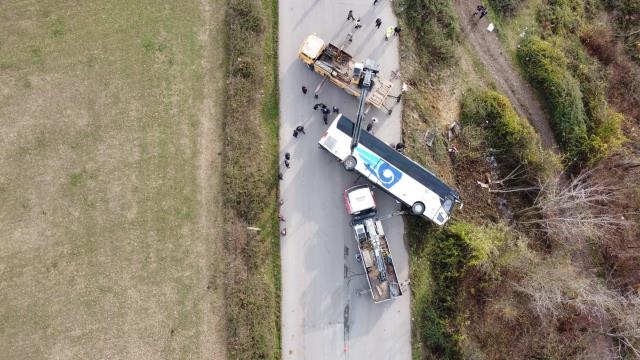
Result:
[[350, 163], [417, 208]]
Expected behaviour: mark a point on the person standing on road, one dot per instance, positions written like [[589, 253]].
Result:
[[304, 90], [325, 115], [358, 24], [350, 15], [300, 129], [369, 127], [287, 164], [336, 110], [287, 156], [396, 31], [378, 23], [374, 120], [295, 134], [389, 33]]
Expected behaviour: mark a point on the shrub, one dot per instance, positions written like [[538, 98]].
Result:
[[560, 16], [448, 254], [628, 13], [606, 138], [599, 43], [505, 7], [433, 27], [603, 124], [507, 132], [433, 330], [547, 70], [452, 252], [248, 179]]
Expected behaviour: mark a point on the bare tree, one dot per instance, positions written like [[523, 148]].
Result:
[[556, 289], [578, 210], [499, 185]]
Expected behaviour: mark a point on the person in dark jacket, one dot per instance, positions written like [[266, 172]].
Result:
[[325, 114]]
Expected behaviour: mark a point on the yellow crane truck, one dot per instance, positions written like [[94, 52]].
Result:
[[340, 68]]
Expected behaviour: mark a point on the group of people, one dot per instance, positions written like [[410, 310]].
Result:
[[391, 30], [324, 109]]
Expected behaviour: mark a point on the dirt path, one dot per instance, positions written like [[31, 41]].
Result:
[[212, 338], [508, 80]]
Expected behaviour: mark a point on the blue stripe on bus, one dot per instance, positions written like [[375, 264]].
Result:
[[386, 173]]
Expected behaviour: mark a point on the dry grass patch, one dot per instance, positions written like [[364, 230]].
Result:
[[101, 251]]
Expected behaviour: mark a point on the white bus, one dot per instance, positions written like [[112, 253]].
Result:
[[391, 171]]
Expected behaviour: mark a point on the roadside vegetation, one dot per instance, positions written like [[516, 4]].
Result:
[[252, 285], [584, 126], [434, 30], [540, 261]]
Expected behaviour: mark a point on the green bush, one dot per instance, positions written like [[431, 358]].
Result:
[[505, 7], [451, 252], [433, 330], [603, 124], [607, 137], [546, 68], [628, 19], [560, 16], [448, 254], [507, 132], [432, 25]]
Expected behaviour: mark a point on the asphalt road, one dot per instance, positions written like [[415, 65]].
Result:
[[320, 277]]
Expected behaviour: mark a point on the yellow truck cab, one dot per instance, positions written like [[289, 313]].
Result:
[[341, 69], [311, 49]]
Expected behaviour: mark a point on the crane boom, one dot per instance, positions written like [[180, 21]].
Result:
[[355, 137], [369, 71]]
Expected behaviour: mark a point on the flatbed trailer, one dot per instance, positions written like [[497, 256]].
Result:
[[373, 247], [342, 70]]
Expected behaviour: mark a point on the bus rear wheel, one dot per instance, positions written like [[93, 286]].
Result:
[[417, 208], [350, 163]]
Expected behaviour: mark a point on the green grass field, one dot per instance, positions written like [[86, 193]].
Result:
[[109, 245]]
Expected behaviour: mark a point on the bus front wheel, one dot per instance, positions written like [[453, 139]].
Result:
[[417, 208], [350, 163]]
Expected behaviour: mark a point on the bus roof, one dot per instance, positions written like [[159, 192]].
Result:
[[404, 164]]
